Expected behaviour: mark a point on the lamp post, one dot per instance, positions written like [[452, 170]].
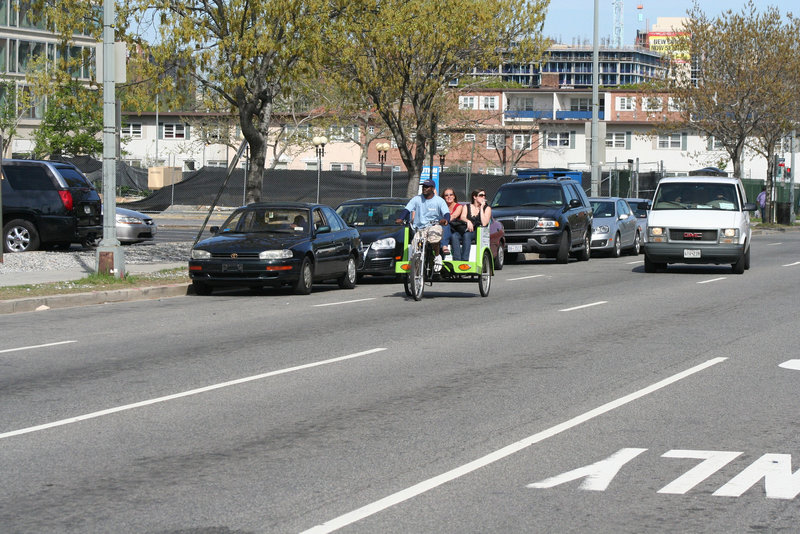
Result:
[[319, 143], [383, 148], [442, 155]]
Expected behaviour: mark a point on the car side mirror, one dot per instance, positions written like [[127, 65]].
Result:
[[750, 206], [214, 230], [575, 203], [323, 230], [643, 206], [623, 216]]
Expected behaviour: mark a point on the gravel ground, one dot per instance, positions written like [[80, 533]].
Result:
[[78, 257]]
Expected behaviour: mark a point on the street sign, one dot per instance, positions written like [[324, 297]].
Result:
[[426, 175]]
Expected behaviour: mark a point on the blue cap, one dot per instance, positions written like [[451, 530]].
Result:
[[428, 183]]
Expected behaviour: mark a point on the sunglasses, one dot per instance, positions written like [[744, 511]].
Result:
[[449, 195], [481, 194]]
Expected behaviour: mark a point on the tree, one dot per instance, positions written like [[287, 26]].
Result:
[[402, 54], [14, 104], [71, 124]]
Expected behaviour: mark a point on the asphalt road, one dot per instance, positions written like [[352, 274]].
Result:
[[575, 398]]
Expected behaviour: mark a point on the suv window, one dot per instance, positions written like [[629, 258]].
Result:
[[28, 178], [73, 177], [532, 194]]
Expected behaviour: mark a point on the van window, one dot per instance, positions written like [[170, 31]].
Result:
[[28, 178]]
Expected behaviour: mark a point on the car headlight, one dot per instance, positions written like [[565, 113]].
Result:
[[730, 232], [385, 243], [200, 254], [602, 229], [128, 220], [656, 234], [275, 254], [547, 223]]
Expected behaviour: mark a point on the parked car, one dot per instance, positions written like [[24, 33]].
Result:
[[381, 238], [640, 207], [132, 227], [551, 217], [699, 219], [47, 203], [615, 227], [275, 244]]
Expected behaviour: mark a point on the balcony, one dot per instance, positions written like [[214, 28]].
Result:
[[577, 115], [521, 115]]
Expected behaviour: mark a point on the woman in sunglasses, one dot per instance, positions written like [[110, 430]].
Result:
[[477, 213], [453, 232]]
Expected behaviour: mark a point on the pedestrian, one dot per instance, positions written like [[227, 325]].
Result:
[[477, 213], [453, 232], [762, 203]]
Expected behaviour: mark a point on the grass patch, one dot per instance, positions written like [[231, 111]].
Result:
[[96, 282]]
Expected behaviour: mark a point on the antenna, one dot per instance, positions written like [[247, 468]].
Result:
[[619, 24]]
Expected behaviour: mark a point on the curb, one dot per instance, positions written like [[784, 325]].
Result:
[[95, 297]]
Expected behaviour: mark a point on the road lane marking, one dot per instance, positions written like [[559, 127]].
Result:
[[792, 264], [523, 277], [188, 393], [585, 306], [427, 485], [793, 365], [29, 347], [635, 262], [342, 302], [713, 280], [774, 244]]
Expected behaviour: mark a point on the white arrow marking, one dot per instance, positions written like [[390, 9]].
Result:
[[775, 469], [712, 462], [598, 475], [794, 365]]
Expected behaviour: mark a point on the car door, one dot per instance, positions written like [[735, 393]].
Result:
[[324, 244], [627, 223], [579, 216], [341, 240]]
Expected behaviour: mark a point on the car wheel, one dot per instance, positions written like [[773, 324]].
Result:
[[407, 284], [91, 242], [500, 259], [563, 248], [651, 266], [20, 235], [201, 288], [747, 259], [511, 257], [617, 246], [348, 279], [586, 250], [306, 278], [637, 244], [738, 267]]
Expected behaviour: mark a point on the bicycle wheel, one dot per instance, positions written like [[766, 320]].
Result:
[[417, 276], [485, 278]]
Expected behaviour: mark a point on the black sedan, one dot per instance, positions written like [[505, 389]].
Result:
[[381, 238], [276, 244]]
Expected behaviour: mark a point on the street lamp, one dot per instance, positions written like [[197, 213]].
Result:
[[442, 155], [383, 148], [319, 143]]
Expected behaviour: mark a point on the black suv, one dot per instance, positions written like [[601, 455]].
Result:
[[47, 203], [551, 217]]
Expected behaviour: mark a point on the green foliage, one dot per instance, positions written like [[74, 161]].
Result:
[[71, 124]]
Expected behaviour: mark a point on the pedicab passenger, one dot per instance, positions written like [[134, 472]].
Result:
[[476, 213]]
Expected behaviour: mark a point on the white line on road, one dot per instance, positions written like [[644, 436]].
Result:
[[794, 365], [774, 244], [426, 485], [713, 280], [635, 262], [792, 264], [205, 389], [343, 302], [39, 346], [523, 277], [585, 306]]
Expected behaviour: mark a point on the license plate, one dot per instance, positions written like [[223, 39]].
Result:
[[515, 248], [691, 253], [231, 267]]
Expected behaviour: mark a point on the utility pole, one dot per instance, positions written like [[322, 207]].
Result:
[[596, 103], [791, 180]]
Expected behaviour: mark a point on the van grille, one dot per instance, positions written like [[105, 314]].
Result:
[[683, 234]]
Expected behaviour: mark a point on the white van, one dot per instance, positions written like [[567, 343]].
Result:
[[698, 219]]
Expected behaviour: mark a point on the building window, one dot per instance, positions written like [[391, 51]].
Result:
[[466, 102], [469, 138], [674, 104], [626, 103], [522, 142], [216, 163], [495, 141], [653, 103], [669, 141], [311, 165], [371, 129], [615, 140], [558, 139], [341, 166], [132, 130], [488, 102], [135, 163], [173, 131], [580, 104]]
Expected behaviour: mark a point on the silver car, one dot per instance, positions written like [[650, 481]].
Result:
[[615, 227], [132, 227], [640, 206]]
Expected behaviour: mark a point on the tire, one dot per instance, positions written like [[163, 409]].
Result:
[[407, 284], [562, 256], [417, 276], [617, 252], [201, 288], [20, 235], [306, 279], [637, 244], [586, 251], [500, 259], [485, 278], [747, 259], [738, 267], [348, 279], [511, 257], [653, 267], [91, 241]]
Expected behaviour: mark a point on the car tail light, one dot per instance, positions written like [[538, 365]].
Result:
[[66, 199]]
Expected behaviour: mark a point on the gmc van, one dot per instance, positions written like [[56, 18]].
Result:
[[698, 219]]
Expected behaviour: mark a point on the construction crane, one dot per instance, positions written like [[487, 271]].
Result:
[[619, 24]]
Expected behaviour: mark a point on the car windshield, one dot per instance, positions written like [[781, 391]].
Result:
[[536, 195], [602, 208], [696, 196], [267, 220], [369, 214]]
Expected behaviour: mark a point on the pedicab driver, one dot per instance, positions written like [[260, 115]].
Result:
[[430, 213]]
